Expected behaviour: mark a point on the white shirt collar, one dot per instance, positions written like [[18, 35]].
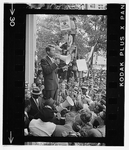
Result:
[[47, 106], [50, 58], [35, 100]]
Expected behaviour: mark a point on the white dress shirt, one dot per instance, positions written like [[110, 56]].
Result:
[[52, 60]]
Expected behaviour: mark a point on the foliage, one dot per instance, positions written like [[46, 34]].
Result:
[[57, 6], [90, 29]]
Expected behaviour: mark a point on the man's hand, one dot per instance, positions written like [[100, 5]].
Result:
[[57, 61], [58, 48], [65, 68], [64, 134], [72, 48], [64, 111], [57, 55], [58, 116]]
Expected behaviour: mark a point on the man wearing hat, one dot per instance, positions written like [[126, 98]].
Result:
[[35, 93]]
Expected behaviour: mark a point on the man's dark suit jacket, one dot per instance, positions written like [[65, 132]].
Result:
[[34, 111], [50, 75]]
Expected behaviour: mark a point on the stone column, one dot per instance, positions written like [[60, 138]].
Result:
[[30, 48]]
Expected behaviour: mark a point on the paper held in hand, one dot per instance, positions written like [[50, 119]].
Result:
[[81, 64]]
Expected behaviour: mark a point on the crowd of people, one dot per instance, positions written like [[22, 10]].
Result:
[[86, 118], [60, 102]]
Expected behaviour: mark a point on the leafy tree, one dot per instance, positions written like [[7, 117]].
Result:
[[90, 29]]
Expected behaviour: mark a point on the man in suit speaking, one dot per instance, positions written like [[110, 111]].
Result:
[[49, 67]]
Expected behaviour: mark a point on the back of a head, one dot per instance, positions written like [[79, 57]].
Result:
[[86, 116], [76, 127], [46, 114], [99, 108], [49, 102], [70, 117]]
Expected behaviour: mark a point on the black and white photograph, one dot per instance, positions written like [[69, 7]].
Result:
[[66, 85], [65, 93]]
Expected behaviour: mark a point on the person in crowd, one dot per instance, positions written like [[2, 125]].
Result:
[[92, 105], [60, 129], [66, 48], [26, 85], [86, 98], [100, 131], [86, 124], [76, 127], [62, 71], [99, 120], [66, 41], [33, 85], [98, 108], [59, 117], [63, 91], [74, 68], [49, 67], [27, 93], [71, 134], [43, 125], [84, 90], [70, 73], [97, 132], [39, 79], [73, 27], [78, 105], [35, 93], [26, 116], [103, 101]]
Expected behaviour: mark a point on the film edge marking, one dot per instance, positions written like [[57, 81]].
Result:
[[11, 138], [122, 45]]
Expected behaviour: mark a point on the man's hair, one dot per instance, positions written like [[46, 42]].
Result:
[[86, 116], [48, 48], [70, 118], [78, 105], [39, 73]]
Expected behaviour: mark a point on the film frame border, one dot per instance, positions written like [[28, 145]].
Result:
[[14, 86]]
